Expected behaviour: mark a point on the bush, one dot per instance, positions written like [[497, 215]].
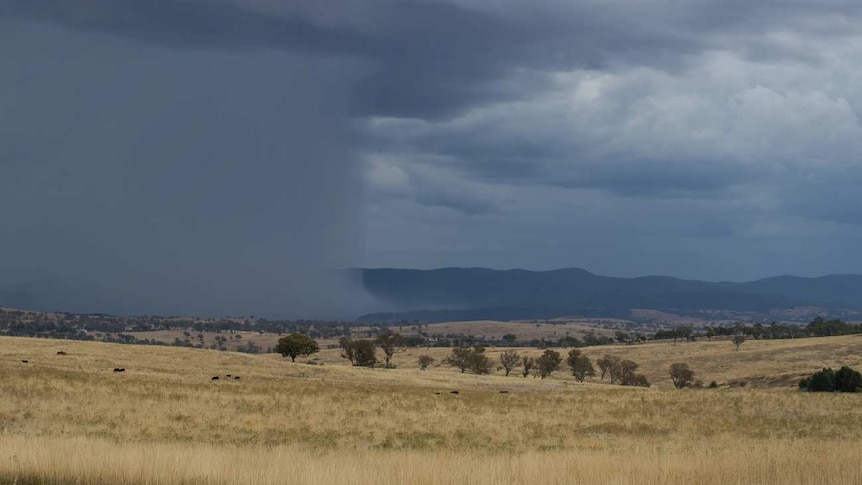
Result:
[[848, 380], [425, 361], [827, 380], [713, 385]]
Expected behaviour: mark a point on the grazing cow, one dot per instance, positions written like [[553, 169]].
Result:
[[236, 377], [228, 375], [24, 361], [453, 392], [215, 378], [119, 369], [60, 352], [504, 392], [438, 393]]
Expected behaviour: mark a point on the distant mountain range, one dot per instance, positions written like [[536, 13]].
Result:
[[480, 293]]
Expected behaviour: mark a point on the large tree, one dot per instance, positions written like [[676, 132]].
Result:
[[361, 352], [296, 344]]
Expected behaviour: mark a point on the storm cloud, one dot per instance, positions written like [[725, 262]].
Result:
[[225, 157]]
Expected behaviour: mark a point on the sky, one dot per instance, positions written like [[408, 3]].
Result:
[[230, 156]]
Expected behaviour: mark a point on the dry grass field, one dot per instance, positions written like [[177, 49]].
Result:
[[70, 419], [493, 330], [524, 331]]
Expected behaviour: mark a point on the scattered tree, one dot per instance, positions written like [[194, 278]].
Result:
[[548, 362], [361, 353], [425, 361], [738, 340], [527, 364], [509, 360], [624, 372], [681, 375], [479, 362], [460, 358], [607, 364], [296, 344], [470, 358], [581, 365], [390, 344]]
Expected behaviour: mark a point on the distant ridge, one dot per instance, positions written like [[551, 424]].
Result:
[[482, 293]]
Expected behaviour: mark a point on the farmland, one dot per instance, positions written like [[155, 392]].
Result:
[[68, 418]]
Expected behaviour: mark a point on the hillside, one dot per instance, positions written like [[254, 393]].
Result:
[[478, 294], [70, 419]]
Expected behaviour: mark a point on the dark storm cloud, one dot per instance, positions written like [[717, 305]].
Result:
[[221, 145], [185, 23], [430, 59]]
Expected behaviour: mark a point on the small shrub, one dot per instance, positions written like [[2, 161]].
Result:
[[425, 361], [713, 385]]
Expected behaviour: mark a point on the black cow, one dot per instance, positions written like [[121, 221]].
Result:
[[24, 361], [60, 352], [453, 392], [236, 377], [215, 378], [119, 369]]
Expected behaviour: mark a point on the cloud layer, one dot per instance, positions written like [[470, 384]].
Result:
[[228, 146]]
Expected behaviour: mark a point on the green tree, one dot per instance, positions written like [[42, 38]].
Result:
[[681, 375], [580, 364], [460, 358], [360, 352], [296, 344], [470, 358], [479, 362], [738, 340], [548, 362], [509, 360]]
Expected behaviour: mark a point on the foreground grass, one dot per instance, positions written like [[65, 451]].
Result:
[[76, 460], [69, 418]]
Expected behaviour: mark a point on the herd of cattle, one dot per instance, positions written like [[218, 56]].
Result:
[[123, 369]]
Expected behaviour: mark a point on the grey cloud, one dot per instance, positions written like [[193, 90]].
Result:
[[221, 139]]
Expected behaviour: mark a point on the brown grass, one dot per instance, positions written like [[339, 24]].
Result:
[[68, 418]]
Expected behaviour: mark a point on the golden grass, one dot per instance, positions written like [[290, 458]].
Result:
[[68, 419], [524, 331]]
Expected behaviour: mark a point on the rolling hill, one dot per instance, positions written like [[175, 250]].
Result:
[[480, 293]]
